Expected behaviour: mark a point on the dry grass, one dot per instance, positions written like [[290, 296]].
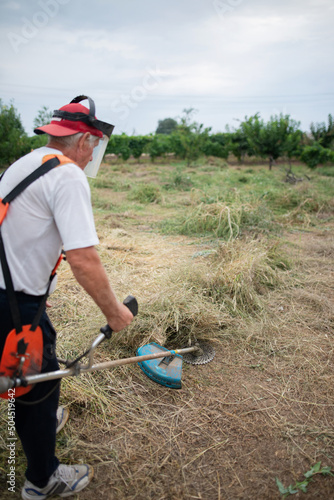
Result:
[[262, 409]]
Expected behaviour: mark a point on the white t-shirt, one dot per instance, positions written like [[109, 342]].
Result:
[[53, 212]]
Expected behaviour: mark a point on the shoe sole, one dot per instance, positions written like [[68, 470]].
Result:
[[65, 415], [63, 495], [89, 478]]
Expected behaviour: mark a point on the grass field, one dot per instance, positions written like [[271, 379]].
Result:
[[226, 253]]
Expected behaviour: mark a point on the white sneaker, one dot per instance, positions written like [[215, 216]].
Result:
[[62, 417], [65, 481]]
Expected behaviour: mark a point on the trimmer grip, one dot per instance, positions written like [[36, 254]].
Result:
[[107, 331], [131, 303], [5, 384]]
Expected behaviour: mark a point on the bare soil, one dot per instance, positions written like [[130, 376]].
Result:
[[262, 409]]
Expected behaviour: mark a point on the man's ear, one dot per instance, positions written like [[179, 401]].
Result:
[[82, 140]]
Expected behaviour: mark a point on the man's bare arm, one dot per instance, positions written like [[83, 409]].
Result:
[[91, 275]]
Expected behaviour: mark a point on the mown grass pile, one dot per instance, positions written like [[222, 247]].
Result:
[[217, 201]]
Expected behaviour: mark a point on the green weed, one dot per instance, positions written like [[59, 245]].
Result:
[[101, 204], [109, 183], [179, 180], [145, 193], [302, 485], [326, 171]]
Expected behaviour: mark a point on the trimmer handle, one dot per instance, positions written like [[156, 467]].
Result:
[[131, 303], [5, 384]]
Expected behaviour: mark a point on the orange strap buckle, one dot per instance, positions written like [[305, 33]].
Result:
[[3, 210], [57, 265]]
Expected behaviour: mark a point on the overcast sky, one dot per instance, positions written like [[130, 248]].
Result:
[[143, 61]]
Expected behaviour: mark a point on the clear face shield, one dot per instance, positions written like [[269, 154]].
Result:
[[92, 168], [105, 128]]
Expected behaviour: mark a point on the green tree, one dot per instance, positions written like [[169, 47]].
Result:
[[189, 137], [13, 139], [238, 144], [216, 145], [137, 145], [323, 134], [119, 145], [213, 148], [166, 126], [269, 139], [159, 145], [315, 155], [37, 141], [43, 117], [293, 145]]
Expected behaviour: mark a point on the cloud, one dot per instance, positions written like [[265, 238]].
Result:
[[223, 63]]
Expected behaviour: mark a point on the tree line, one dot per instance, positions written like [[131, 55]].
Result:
[[185, 138], [279, 137]]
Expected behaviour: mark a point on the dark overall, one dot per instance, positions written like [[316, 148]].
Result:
[[35, 424], [35, 412]]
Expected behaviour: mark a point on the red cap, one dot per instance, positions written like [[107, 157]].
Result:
[[61, 128]]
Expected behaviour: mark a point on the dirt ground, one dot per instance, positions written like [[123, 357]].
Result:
[[263, 408]]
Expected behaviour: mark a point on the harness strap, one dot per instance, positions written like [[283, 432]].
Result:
[[41, 308], [43, 169], [13, 305], [51, 162]]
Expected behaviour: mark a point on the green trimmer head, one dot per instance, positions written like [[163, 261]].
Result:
[[166, 370]]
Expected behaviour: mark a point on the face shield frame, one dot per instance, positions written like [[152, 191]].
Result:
[[93, 165], [90, 119]]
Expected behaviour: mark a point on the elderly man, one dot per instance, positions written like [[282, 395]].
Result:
[[52, 212]]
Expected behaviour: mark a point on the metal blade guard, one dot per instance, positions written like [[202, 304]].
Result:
[[166, 371]]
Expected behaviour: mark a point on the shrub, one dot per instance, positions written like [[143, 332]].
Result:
[[13, 139], [316, 154]]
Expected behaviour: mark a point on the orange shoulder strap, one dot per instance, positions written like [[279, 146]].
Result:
[[62, 158], [4, 203], [3, 210]]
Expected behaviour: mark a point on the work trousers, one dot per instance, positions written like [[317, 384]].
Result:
[[35, 423]]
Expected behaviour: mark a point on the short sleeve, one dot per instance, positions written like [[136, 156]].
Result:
[[72, 211]]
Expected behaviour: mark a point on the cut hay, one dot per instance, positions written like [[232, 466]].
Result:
[[222, 220], [262, 409]]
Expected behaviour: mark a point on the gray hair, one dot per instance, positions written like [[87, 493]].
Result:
[[70, 140]]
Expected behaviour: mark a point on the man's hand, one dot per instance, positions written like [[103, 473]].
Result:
[[121, 318], [90, 274]]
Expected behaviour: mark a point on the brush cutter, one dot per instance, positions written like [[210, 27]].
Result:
[[158, 363]]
